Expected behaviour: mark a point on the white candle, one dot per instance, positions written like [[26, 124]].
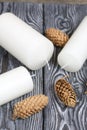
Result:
[[74, 53], [14, 83], [23, 42]]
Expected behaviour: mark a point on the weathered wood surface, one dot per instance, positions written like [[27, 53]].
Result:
[[51, 1], [55, 116], [33, 15]]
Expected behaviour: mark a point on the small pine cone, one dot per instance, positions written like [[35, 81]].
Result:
[[29, 106], [58, 37], [65, 92]]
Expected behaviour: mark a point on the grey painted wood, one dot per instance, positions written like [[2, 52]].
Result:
[[33, 15], [56, 115]]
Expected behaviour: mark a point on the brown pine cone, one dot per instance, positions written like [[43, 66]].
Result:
[[65, 92], [29, 106], [58, 37]]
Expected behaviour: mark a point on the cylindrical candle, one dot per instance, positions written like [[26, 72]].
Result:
[[23, 42], [14, 83], [74, 53]]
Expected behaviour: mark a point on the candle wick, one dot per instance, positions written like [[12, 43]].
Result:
[[48, 65], [33, 75]]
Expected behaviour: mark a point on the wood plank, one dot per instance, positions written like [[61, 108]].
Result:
[[56, 115], [33, 15], [50, 1]]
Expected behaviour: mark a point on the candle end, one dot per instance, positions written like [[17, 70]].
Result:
[[64, 66]]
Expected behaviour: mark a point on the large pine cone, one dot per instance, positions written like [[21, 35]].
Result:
[[65, 92], [29, 106]]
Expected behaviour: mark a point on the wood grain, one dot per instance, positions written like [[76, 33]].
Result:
[[33, 15], [50, 1], [56, 115]]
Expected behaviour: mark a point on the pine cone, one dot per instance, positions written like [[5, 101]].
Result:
[[29, 106], [56, 36], [65, 92]]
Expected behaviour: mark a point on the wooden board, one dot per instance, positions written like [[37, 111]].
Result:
[[31, 14], [55, 116], [50, 1]]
